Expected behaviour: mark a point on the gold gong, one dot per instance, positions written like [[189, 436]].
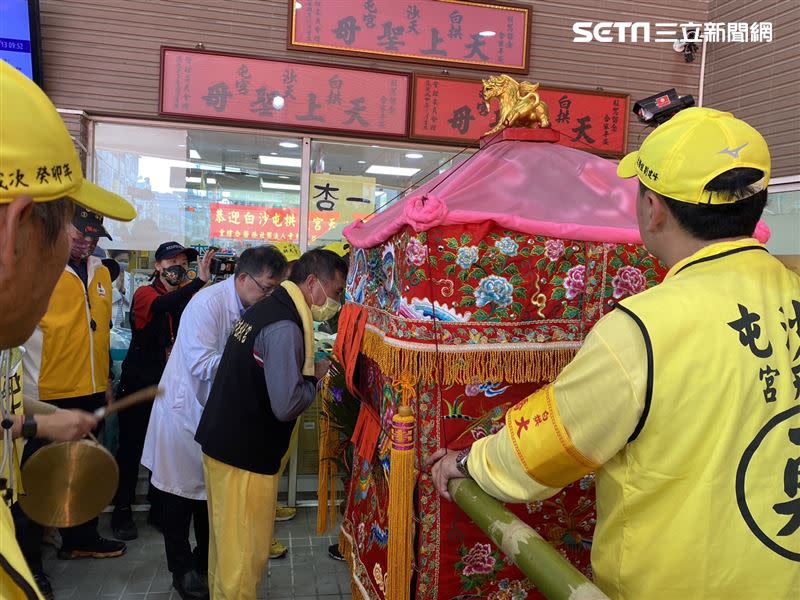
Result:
[[68, 483]]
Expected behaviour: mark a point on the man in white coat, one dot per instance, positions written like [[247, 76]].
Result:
[[177, 490]]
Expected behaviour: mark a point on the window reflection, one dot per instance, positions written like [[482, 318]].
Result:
[[199, 187], [350, 181]]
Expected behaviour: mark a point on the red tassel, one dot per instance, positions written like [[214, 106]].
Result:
[[366, 433]]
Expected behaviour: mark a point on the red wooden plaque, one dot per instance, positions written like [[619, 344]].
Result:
[[448, 109], [493, 36], [288, 95]]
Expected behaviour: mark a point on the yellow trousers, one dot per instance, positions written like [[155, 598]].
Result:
[[241, 513]]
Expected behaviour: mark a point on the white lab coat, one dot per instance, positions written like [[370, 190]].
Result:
[[170, 451]]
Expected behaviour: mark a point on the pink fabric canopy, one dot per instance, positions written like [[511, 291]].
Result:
[[537, 188]]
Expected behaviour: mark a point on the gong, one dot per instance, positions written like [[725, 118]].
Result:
[[70, 483]]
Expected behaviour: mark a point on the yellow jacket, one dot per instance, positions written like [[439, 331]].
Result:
[[68, 354], [693, 429], [16, 581]]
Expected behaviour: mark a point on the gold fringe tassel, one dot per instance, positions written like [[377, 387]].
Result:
[[400, 556], [448, 368], [326, 486]]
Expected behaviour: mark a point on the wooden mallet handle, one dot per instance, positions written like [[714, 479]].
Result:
[[145, 395]]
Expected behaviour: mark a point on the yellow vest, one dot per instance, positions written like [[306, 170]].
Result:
[[68, 354], [12, 465], [703, 502], [16, 581]]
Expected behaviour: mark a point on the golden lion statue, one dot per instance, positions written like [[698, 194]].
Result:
[[520, 105]]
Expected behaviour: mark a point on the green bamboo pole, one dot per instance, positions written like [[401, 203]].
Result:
[[550, 572]]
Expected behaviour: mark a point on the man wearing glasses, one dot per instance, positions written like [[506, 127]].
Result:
[[178, 492]]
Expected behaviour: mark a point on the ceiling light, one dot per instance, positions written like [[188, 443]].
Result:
[[194, 180], [233, 170], [280, 186], [413, 155], [226, 194], [362, 162], [283, 177], [250, 175], [181, 145], [194, 154], [280, 161], [487, 33], [273, 154], [398, 171], [374, 146], [297, 6], [210, 180], [288, 145]]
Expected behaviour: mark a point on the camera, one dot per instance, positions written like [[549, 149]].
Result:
[[223, 266], [659, 108]]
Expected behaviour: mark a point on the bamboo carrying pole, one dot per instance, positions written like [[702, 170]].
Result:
[[550, 572]]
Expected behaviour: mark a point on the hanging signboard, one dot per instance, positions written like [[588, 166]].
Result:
[[268, 224], [288, 95], [492, 36], [450, 109]]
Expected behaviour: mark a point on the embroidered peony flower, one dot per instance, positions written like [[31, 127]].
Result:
[[507, 246], [628, 281], [554, 249], [472, 389], [575, 281], [494, 289], [479, 560], [416, 252], [424, 212], [467, 256]]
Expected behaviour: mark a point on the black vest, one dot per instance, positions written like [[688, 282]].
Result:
[[238, 426]]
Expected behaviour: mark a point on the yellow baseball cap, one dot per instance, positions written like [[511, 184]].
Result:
[[340, 248], [290, 251], [37, 156], [684, 154]]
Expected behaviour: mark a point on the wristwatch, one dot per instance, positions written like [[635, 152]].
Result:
[[29, 427], [461, 462]]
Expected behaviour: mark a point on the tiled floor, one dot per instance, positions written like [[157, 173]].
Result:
[[307, 573]]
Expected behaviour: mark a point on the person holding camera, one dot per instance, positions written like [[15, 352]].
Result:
[[155, 314]]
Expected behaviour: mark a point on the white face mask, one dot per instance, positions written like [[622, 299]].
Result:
[[327, 311]]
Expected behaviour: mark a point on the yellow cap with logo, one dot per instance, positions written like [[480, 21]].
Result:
[[340, 248], [290, 251], [684, 154], [37, 156]]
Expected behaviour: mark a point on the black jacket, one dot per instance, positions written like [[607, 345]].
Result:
[[155, 316]]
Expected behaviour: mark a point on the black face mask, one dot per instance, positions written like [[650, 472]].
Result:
[[174, 275]]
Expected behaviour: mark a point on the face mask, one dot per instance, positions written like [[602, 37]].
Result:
[[174, 274], [327, 311], [81, 249], [123, 265]]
